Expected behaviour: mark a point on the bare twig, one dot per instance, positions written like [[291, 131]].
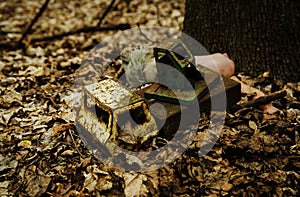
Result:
[[75, 144], [106, 12], [20, 44], [37, 16], [138, 25], [9, 32], [82, 30], [260, 100], [16, 45], [11, 45], [158, 14]]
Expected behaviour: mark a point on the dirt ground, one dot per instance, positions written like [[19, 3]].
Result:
[[256, 154]]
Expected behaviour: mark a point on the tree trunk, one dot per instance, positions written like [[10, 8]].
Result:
[[259, 35]]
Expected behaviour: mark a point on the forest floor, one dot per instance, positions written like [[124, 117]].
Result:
[[42, 154]]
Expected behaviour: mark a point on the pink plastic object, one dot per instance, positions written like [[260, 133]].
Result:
[[217, 62]]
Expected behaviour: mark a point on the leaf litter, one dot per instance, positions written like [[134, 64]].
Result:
[[42, 155]]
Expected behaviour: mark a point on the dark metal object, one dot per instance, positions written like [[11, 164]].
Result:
[[110, 98], [179, 77]]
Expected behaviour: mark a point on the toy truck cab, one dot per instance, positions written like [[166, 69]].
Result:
[[172, 52], [111, 112], [176, 71]]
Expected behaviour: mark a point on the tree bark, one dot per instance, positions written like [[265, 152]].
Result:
[[259, 35]]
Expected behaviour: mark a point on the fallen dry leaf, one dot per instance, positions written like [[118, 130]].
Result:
[[268, 108], [134, 185], [25, 144], [35, 112], [37, 183]]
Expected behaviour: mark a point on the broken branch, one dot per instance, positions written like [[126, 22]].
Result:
[[16, 45], [37, 16], [82, 30], [106, 12], [262, 100]]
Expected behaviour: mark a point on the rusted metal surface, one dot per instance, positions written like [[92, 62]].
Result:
[[110, 111], [111, 94]]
